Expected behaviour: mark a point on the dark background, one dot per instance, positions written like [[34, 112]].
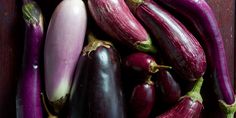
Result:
[[12, 39]]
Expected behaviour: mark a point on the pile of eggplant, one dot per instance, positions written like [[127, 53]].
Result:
[[121, 59]]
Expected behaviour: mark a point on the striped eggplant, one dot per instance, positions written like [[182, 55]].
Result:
[[180, 48], [201, 16], [115, 18]]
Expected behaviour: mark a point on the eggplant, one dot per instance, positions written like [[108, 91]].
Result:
[[142, 99], [180, 48], [97, 92], [170, 89], [63, 45], [78, 97], [201, 16], [189, 106], [140, 61], [115, 18], [28, 102]]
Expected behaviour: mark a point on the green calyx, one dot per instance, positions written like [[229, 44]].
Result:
[[32, 13], [145, 46], [133, 4], [229, 110], [94, 43], [194, 94]]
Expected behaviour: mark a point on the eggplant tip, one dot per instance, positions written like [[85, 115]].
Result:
[[32, 13], [229, 110], [195, 94], [145, 46], [133, 4]]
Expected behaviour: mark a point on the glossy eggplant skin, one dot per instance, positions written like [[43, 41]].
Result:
[[141, 62], [186, 108], [142, 100], [170, 89], [28, 102], [102, 86], [202, 17], [78, 97], [179, 46]]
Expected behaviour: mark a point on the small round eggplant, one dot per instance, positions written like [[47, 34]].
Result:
[[170, 89], [143, 62], [142, 99]]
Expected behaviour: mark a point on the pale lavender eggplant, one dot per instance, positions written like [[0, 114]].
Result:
[[28, 102], [115, 18], [63, 45], [180, 48], [140, 61], [199, 13]]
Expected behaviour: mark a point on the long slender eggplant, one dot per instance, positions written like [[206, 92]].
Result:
[[179, 46], [170, 89], [115, 18], [28, 102], [143, 62], [189, 106], [97, 92], [142, 99], [64, 42], [199, 13]]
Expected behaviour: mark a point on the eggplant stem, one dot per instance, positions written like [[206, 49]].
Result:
[[148, 80], [154, 67], [195, 94], [229, 110], [50, 115], [94, 43]]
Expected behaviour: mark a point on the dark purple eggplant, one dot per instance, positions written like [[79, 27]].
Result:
[[96, 92], [28, 102], [170, 89], [142, 99], [199, 13], [189, 106], [179, 46], [77, 100], [143, 62]]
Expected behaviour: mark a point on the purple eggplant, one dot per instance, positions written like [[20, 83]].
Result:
[[97, 92], [115, 18], [77, 101], [143, 62], [142, 99], [199, 13], [28, 102], [170, 89], [189, 106], [63, 45], [179, 46]]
